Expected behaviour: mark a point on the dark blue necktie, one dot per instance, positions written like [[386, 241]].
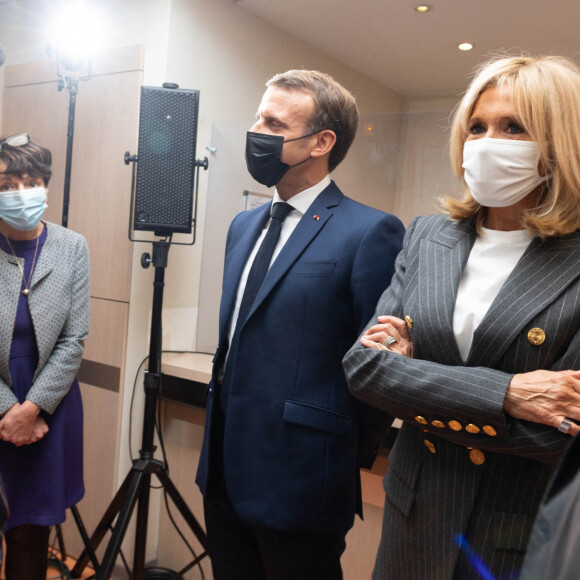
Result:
[[256, 276], [262, 260]]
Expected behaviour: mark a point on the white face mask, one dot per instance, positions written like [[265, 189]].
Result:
[[501, 172], [23, 208]]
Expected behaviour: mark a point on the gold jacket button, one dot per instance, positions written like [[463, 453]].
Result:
[[536, 336], [438, 424], [477, 456], [430, 446], [409, 322], [473, 429], [455, 425], [489, 430], [421, 420]]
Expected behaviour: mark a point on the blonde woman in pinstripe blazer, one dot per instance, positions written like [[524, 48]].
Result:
[[44, 311], [484, 375]]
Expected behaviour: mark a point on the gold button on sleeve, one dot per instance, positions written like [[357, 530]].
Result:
[[409, 322], [536, 336], [438, 424], [477, 456], [430, 446], [489, 430], [421, 420], [455, 425], [473, 429]]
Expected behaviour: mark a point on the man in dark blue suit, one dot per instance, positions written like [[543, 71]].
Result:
[[284, 438]]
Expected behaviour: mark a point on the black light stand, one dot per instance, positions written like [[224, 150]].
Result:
[[71, 83], [168, 115], [68, 77], [73, 88], [136, 486]]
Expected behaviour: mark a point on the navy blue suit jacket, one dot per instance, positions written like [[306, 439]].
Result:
[[293, 430]]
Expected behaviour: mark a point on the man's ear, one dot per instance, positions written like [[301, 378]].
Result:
[[325, 141]]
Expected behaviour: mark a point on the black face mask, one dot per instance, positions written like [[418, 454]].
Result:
[[263, 157]]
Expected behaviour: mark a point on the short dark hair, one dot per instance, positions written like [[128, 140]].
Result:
[[334, 107], [32, 159]]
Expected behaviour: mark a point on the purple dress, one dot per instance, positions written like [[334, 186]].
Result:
[[45, 478]]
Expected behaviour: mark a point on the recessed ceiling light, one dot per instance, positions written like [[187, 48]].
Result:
[[422, 8], [465, 46]]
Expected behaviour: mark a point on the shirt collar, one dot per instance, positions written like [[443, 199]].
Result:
[[303, 200]]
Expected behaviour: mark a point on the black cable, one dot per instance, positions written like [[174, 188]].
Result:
[[155, 573], [178, 530], [135, 388], [161, 573], [161, 442], [131, 408], [158, 427], [55, 560]]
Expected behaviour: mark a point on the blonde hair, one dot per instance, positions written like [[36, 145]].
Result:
[[547, 101]]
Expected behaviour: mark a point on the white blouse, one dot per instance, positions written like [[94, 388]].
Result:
[[493, 256]]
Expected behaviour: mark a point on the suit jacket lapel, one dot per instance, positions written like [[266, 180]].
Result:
[[236, 262], [443, 259], [545, 270], [306, 231]]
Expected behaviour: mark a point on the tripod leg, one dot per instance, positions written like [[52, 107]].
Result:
[[132, 494], [84, 536], [180, 504], [60, 540], [141, 535], [103, 527]]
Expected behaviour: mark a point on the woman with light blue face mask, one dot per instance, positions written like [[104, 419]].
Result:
[[44, 311], [477, 343]]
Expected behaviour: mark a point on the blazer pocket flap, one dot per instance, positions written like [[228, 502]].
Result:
[[398, 493], [511, 531], [317, 418], [315, 267]]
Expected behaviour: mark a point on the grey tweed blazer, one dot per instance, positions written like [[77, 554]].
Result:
[[59, 307], [464, 479]]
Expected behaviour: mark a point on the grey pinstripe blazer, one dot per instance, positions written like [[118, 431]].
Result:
[[437, 498], [59, 307]]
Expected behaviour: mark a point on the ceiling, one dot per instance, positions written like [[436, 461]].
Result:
[[416, 54]]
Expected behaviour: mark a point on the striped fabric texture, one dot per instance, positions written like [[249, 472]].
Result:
[[446, 516]]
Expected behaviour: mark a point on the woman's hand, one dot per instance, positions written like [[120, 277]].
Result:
[[377, 336], [21, 424], [547, 397]]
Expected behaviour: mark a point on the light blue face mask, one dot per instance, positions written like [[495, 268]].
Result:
[[23, 208]]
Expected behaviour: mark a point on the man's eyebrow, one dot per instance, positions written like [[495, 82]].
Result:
[[277, 120]]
